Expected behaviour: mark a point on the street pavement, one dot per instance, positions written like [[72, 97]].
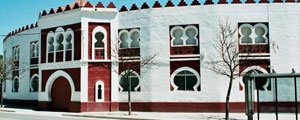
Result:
[[9, 113]]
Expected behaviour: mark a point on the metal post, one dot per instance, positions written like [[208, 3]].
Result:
[[258, 111], [296, 101], [249, 97], [276, 99]]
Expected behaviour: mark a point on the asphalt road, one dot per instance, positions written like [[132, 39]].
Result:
[[16, 116]]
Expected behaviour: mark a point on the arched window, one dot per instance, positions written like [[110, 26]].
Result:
[[50, 42], [135, 38], [69, 42], [184, 35], [69, 39], [185, 79], [261, 30], [123, 35], [16, 53], [34, 85], [135, 82], [15, 87], [260, 83], [177, 36], [59, 42], [191, 34], [32, 50], [99, 91], [99, 40], [99, 43], [253, 34], [129, 38], [36, 49]]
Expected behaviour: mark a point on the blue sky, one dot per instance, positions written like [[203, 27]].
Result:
[[17, 13]]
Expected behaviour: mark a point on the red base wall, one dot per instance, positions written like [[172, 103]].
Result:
[[84, 107]]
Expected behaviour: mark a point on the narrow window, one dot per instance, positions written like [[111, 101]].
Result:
[[59, 41], [50, 44], [34, 84], [99, 91], [123, 39], [15, 85], [69, 42]]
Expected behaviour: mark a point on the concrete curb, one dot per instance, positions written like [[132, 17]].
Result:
[[108, 117], [7, 110]]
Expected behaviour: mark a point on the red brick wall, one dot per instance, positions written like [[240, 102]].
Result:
[[73, 72], [99, 71], [92, 26], [77, 40]]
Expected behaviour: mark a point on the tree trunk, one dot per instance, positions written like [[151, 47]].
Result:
[[227, 98], [1, 93], [129, 95]]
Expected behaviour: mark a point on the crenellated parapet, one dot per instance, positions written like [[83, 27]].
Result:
[[145, 5], [19, 30], [75, 6]]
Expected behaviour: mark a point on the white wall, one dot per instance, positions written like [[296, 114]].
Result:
[[154, 26], [284, 29], [24, 76]]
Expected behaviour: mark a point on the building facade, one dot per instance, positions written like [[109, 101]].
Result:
[[66, 61]]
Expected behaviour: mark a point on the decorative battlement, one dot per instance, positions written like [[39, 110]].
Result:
[[76, 5], [182, 3], [19, 30]]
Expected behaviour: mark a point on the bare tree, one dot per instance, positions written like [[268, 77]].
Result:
[[227, 54], [7, 67], [128, 60]]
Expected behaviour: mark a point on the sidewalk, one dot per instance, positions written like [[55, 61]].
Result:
[[147, 115]]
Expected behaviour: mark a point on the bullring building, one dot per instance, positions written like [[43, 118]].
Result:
[[62, 60]]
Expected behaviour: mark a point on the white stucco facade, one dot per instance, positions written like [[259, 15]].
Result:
[[282, 19]]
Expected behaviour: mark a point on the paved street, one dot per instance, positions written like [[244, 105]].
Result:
[[10, 113]]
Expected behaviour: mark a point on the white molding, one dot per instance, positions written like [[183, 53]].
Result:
[[252, 68], [51, 80], [94, 40], [254, 54], [188, 69], [60, 65], [84, 82], [193, 55], [185, 59]]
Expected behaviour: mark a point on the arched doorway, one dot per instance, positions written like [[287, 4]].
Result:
[[60, 95]]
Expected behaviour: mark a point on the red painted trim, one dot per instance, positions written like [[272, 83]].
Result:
[[195, 2], [145, 6], [33, 72], [163, 106], [134, 7], [169, 4], [123, 9], [92, 26], [77, 42], [75, 73], [156, 5], [99, 71]]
